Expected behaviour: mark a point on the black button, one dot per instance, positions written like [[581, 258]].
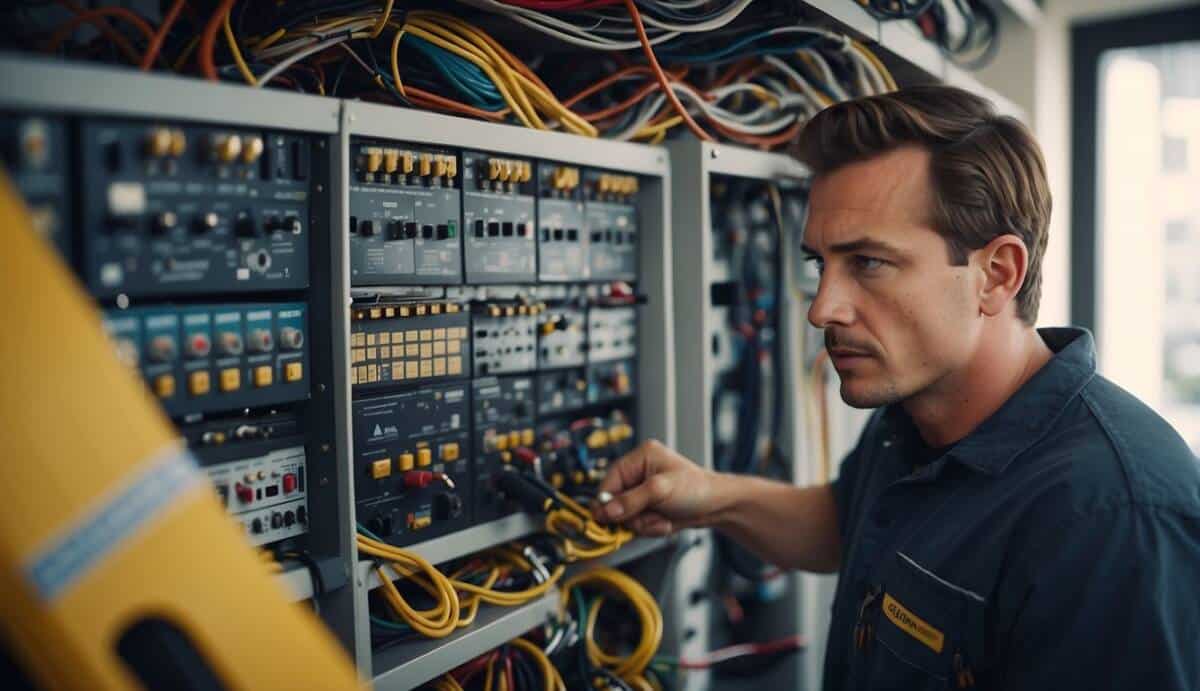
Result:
[[508, 229], [353, 224], [427, 231], [244, 224], [618, 238], [479, 225], [597, 236], [558, 234], [545, 235], [631, 238], [608, 236], [573, 234], [366, 229], [523, 229], [410, 230], [443, 231], [493, 229], [395, 230], [299, 160]]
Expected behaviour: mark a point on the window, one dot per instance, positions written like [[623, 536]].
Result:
[[1137, 225]]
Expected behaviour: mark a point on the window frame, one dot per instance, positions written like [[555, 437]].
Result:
[[1089, 42]]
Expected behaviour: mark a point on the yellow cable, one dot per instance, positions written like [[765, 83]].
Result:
[[237, 54], [631, 666], [271, 39], [437, 622], [551, 678], [383, 20], [490, 676], [395, 62]]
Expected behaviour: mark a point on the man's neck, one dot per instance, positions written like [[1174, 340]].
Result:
[[953, 407]]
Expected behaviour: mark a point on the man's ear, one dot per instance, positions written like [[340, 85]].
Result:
[[1004, 262]]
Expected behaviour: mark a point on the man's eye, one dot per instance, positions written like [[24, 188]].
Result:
[[868, 263]]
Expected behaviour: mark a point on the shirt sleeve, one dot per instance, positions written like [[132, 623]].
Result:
[[1110, 602]]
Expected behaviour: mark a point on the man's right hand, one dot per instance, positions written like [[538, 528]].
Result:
[[656, 491]]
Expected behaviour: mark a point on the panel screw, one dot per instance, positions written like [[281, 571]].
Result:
[[713, 153]]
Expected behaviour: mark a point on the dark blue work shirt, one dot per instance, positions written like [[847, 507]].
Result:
[[1055, 547]]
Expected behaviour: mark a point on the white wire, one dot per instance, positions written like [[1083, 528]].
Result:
[[288, 62], [714, 23], [315, 37], [839, 94]]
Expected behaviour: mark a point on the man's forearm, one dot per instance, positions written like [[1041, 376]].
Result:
[[791, 527]]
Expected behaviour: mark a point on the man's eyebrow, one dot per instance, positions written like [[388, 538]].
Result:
[[859, 245]]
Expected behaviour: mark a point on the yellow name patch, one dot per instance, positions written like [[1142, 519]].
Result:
[[913, 625]]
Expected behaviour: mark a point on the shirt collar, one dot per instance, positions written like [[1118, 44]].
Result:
[[1028, 414]]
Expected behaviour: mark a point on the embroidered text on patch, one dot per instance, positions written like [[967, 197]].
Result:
[[913, 625]]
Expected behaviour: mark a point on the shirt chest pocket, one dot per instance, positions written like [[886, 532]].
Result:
[[924, 632]]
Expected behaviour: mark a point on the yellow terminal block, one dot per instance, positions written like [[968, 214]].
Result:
[[505, 457], [439, 166], [514, 439], [452, 308], [557, 480], [435, 308], [451, 166], [226, 147], [263, 376], [578, 477], [391, 160], [510, 311], [501, 442], [449, 452], [597, 439], [527, 437], [406, 162], [404, 462], [425, 166], [231, 379], [178, 143], [199, 383], [381, 468], [493, 170], [252, 148], [164, 386], [526, 171], [293, 371], [420, 523], [158, 142], [494, 311], [372, 158], [424, 457], [604, 185]]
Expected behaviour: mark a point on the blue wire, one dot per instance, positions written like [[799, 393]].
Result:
[[463, 75]]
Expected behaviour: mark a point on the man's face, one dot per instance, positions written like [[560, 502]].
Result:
[[898, 317]]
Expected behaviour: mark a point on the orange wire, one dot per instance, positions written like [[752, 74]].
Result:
[[662, 77], [208, 40], [161, 35], [96, 18], [428, 99]]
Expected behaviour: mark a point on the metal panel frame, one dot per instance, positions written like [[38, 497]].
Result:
[[656, 370], [694, 163]]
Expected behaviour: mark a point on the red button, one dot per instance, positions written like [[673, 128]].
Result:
[[244, 494], [199, 346], [418, 478], [289, 483]]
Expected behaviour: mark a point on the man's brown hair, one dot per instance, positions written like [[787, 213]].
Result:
[[986, 170]]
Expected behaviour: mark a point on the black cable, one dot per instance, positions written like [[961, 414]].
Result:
[[314, 572]]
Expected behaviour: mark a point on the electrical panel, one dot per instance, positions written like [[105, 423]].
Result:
[[482, 340], [405, 214], [196, 240], [412, 464], [188, 210], [499, 196]]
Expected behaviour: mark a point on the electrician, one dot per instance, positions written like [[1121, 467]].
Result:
[[1010, 519]]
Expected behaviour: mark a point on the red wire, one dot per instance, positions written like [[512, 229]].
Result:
[[208, 40], [508, 673], [96, 18], [161, 35], [743, 650], [662, 77], [562, 5]]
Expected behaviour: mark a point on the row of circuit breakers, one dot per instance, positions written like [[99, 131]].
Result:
[[493, 329]]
